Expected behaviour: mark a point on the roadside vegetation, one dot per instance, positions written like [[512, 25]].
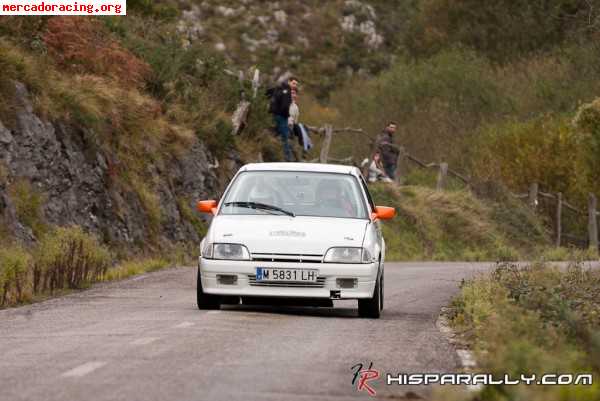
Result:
[[458, 225], [65, 259], [531, 320]]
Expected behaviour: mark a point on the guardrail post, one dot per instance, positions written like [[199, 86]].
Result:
[[559, 205], [593, 221], [442, 174], [326, 144], [533, 195]]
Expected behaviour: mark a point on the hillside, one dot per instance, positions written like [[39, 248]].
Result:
[[86, 142], [324, 43], [457, 225], [117, 125]]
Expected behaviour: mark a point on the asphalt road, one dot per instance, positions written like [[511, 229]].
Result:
[[144, 339]]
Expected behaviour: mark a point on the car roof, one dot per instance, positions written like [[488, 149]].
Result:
[[309, 167]]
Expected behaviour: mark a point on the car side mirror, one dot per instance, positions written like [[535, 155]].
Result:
[[207, 206], [383, 213]]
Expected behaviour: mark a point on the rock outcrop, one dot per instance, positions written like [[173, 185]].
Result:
[[65, 164]]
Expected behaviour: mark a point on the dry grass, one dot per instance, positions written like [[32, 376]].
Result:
[[134, 267], [84, 45], [531, 320], [65, 258], [15, 276], [454, 225], [68, 258]]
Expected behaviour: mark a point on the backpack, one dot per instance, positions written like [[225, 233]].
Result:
[[273, 94]]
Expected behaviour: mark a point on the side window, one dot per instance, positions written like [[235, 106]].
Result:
[[366, 189]]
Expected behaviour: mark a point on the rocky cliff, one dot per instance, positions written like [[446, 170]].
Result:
[[64, 166]]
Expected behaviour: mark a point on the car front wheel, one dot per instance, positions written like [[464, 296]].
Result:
[[206, 301], [371, 307]]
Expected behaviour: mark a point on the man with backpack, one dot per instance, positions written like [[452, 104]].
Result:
[[281, 99]]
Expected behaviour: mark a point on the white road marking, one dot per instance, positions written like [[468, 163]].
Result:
[[84, 369], [144, 340], [184, 325], [212, 312]]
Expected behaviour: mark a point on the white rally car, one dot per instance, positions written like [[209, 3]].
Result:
[[294, 231]]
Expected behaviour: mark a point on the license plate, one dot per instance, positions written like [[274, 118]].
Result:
[[274, 274]]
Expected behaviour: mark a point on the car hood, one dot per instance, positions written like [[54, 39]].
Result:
[[288, 235]]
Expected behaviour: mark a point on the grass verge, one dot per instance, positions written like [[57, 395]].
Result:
[[531, 320], [456, 225], [66, 259]]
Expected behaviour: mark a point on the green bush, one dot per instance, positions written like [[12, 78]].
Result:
[[438, 103], [28, 203], [15, 275], [587, 123], [68, 258], [191, 216], [520, 153], [506, 30], [164, 10]]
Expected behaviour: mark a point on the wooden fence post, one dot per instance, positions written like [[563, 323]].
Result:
[[400, 165], [559, 204], [533, 195], [593, 221], [326, 144], [442, 174]]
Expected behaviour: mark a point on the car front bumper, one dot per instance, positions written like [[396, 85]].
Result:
[[364, 274]]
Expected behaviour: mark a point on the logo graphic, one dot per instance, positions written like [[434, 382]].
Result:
[[362, 377], [287, 233]]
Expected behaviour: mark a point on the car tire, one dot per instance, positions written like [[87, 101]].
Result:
[[206, 301], [381, 293], [371, 307]]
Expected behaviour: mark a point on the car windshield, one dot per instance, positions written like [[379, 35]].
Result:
[[295, 194]]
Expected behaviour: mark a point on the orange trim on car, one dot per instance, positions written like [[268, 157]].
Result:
[[383, 213], [207, 206]]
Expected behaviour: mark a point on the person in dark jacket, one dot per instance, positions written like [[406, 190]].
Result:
[[388, 149], [280, 108]]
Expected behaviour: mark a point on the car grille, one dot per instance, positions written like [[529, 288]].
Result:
[[320, 283], [286, 258]]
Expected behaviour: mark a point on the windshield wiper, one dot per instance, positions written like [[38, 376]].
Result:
[[261, 206]]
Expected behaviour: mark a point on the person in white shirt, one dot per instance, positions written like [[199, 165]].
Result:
[[294, 110], [376, 171]]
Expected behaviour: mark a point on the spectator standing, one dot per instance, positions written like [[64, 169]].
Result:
[[388, 149], [280, 108]]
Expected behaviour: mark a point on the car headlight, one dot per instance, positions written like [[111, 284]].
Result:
[[347, 255], [226, 252]]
